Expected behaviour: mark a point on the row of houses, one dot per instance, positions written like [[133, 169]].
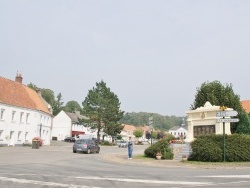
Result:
[[25, 114]]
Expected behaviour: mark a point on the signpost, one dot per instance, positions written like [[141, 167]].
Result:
[[229, 120], [151, 126], [224, 120], [226, 113]]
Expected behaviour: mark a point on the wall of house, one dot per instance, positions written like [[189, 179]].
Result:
[[61, 126], [20, 125], [177, 133]]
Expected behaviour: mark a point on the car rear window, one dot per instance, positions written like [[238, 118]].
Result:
[[81, 141]]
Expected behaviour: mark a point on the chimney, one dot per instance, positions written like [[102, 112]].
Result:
[[19, 78]]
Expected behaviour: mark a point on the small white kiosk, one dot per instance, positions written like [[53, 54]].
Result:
[[203, 120]]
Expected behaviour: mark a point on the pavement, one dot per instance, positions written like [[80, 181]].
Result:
[[139, 160]]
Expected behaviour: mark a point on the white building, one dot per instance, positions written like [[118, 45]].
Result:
[[179, 131], [66, 124], [24, 114], [204, 120]]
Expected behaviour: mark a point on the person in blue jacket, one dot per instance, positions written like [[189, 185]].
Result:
[[130, 148]]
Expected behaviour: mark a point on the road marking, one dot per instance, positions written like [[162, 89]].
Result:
[[50, 184], [149, 181], [227, 176]]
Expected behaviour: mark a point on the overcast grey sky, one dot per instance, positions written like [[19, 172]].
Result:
[[152, 54]]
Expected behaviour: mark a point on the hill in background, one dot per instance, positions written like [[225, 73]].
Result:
[[159, 121]]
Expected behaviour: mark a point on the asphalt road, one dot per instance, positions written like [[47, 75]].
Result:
[[58, 166]]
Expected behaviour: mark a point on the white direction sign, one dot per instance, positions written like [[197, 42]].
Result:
[[227, 120], [226, 113]]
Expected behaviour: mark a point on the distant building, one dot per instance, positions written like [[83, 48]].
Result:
[[66, 124], [128, 131], [179, 131], [24, 114]]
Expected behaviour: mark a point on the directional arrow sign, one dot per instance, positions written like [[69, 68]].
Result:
[[227, 120], [226, 113]]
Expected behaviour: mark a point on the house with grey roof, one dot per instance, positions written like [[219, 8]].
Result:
[[179, 131], [67, 124]]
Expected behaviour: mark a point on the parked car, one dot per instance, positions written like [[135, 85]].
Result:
[[123, 144], [69, 139], [86, 145]]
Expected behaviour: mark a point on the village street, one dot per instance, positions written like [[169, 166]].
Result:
[[58, 166]]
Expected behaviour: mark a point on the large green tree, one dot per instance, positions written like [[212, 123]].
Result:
[[219, 95], [244, 124], [102, 108], [72, 106]]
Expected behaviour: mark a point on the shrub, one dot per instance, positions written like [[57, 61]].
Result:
[[210, 148], [105, 143], [160, 146]]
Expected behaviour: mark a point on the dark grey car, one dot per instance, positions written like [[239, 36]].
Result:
[[86, 146]]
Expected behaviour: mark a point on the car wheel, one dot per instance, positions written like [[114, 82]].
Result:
[[74, 151], [98, 151]]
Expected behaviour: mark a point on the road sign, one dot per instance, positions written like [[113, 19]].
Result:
[[226, 113], [227, 120]]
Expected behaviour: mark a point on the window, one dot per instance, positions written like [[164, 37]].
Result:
[[13, 115], [1, 131], [27, 117], [19, 135], [26, 134], [21, 117], [2, 114]]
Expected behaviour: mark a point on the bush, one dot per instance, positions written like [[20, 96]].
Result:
[[210, 148], [160, 146]]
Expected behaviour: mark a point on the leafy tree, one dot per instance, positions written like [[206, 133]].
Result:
[[138, 133], [154, 134], [112, 128], [160, 135], [244, 124], [33, 86], [49, 97], [102, 107], [58, 105], [72, 106], [148, 135], [219, 95]]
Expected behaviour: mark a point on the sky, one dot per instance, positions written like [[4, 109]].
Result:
[[153, 54]]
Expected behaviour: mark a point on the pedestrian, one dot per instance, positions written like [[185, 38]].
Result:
[[130, 148]]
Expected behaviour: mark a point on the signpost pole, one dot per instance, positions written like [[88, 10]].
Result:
[[151, 126], [224, 142]]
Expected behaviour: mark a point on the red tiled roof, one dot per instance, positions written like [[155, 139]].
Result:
[[144, 128], [246, 105], [129, 127], [17, 94]]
